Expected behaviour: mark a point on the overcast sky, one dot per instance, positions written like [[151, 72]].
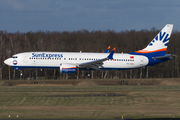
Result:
[[70, 15]]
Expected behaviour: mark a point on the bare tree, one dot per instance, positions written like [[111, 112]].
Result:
[[9, 53]]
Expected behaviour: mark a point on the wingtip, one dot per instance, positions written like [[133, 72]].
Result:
[[114, 49], [110, 56]]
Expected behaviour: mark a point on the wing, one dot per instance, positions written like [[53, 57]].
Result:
[[97, 63]]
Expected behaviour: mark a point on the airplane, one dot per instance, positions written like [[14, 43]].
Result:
[[70, 62]]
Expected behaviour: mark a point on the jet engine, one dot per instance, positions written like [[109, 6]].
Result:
[[67, 68]]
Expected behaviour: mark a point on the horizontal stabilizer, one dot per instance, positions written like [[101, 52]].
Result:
[[163, 57]]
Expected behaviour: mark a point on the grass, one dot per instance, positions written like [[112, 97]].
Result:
[[89, 88], [66, 102]]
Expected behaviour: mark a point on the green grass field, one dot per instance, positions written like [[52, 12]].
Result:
[[59, 102], [66, 102]]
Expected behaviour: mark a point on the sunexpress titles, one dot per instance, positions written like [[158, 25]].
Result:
[[47, 55]]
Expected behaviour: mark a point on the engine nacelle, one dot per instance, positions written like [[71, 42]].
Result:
[[68, 68]]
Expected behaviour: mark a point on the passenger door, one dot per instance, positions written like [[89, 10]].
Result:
[[25, 58]]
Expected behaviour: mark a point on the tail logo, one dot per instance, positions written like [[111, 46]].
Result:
[[159, 38], [160, 42]]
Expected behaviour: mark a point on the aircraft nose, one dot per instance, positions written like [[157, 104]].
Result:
[[7, 61]]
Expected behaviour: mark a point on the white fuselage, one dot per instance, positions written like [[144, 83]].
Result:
[[55, 59]]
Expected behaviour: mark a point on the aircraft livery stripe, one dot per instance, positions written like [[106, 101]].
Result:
[[146, 51], [69, 68]]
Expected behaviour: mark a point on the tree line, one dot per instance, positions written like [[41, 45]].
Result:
[[86, 41]]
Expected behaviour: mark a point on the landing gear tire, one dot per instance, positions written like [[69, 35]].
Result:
[[21, 73], [88, 74]]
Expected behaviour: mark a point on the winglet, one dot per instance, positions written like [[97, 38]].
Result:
[[107, 51], [110, 56]]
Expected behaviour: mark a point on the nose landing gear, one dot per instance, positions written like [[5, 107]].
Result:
[[21, 74], [88, 74]]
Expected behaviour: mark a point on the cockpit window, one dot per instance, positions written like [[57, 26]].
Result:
[[14, 57]]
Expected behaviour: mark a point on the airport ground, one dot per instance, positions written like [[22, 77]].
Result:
[[90, 99]]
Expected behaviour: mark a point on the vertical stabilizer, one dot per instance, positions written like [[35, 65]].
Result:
[[160, 42]]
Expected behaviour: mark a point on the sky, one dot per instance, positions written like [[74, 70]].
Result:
[[74, 15]]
